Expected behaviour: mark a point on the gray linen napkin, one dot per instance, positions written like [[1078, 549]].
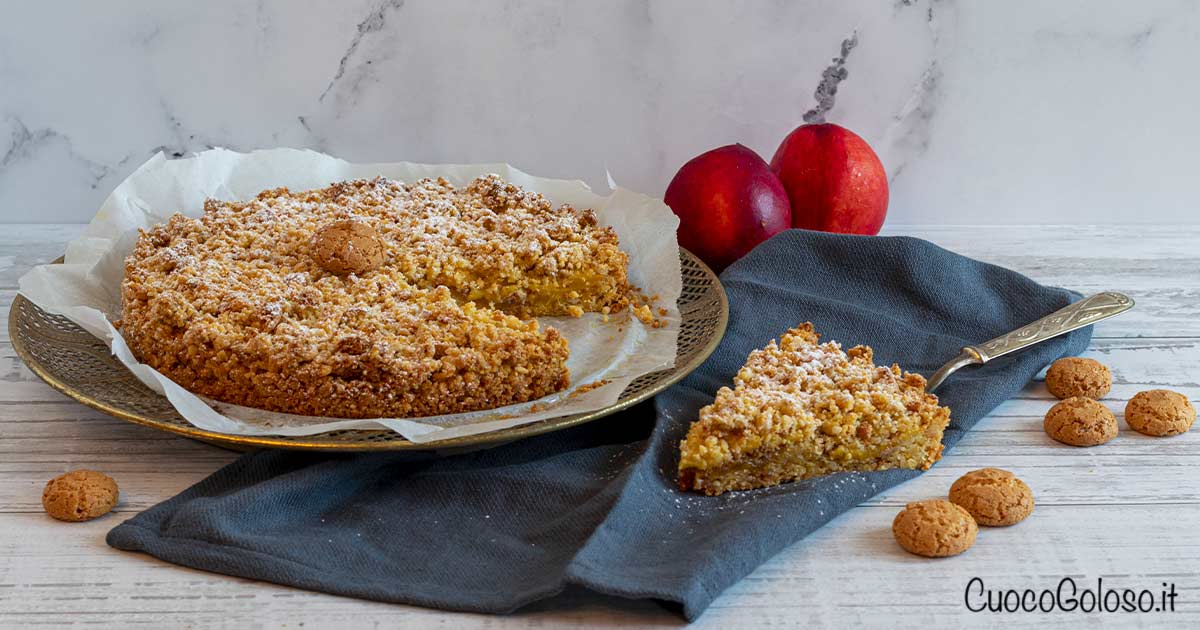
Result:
[[597, 506]]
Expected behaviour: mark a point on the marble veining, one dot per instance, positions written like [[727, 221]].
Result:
[[909, 134], [24, 143], [1016, 112], [833, 74], [373, 23]]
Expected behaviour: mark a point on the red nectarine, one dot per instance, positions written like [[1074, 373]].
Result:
[[834, 181], [728, 201]]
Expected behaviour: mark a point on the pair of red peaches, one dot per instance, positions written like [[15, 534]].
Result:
[[823, 177]]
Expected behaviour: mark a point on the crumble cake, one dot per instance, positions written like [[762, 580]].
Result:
[[802, 409], [425, 309]]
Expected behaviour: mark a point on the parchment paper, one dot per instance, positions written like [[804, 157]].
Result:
[[86, 289]]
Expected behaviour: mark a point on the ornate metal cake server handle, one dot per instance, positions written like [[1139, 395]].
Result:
[[1085, 312]]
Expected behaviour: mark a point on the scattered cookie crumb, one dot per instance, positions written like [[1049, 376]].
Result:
[[583, 389], [1080, 421], [347, 247], [994, 497], [934, 529], [642, 307], [1160, 413], [1077, 376], [80, 495], [643, 313]]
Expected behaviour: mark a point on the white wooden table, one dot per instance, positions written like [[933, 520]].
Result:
[[1128, 511]]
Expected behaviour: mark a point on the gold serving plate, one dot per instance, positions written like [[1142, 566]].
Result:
[[79, 365]]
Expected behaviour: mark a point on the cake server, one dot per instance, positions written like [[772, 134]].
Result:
[[1085, 312]]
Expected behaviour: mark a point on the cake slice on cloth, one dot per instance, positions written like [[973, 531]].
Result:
[[802, 409]]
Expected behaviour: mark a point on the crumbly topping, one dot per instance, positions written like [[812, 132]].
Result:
[[496, 244], [235, 306]]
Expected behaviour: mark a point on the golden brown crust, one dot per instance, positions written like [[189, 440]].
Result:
[[994, 497], [1080, 421], [801, 409], [1160, 413], [934, 529], [234, 305], [80, 495], [347, 246], [1078, 376]]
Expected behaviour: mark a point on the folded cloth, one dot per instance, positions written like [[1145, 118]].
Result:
[[597, 506]]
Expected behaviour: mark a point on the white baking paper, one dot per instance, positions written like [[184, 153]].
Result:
[[86, 289]]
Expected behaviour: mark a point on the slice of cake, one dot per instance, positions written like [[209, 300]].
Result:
[[802, 409]]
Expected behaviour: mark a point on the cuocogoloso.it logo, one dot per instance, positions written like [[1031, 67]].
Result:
[[1069, 596]]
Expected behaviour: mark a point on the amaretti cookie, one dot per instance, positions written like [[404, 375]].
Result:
[[1160, 412], [994, 497], [1078, 376], [934, 529], [348, 246], [80, 495], [1080, 421]]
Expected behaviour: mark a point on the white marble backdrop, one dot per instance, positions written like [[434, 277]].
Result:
[[983, 112]]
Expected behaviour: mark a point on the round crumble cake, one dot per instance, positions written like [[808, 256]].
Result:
[[369, 298]]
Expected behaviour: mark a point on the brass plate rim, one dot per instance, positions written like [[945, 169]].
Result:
[[250, 442]]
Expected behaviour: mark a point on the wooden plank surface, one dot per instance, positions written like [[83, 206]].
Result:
[[1126, 511]]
